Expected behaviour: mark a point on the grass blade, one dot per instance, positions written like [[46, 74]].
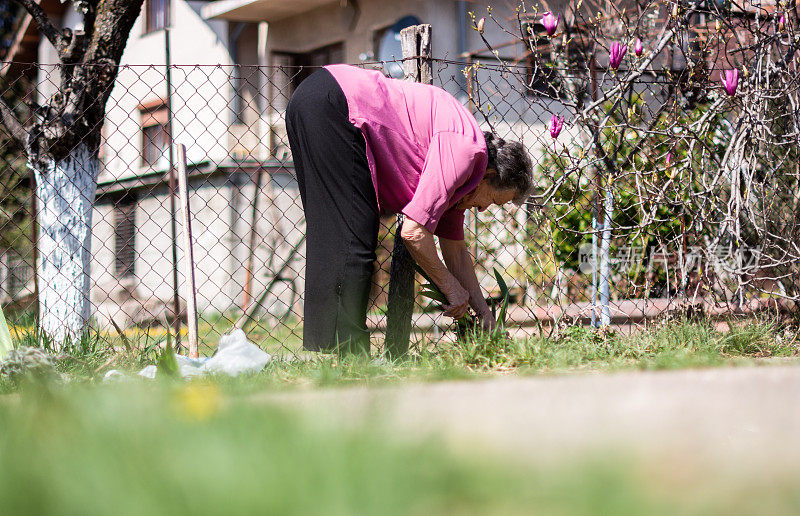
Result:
[[125, 342], [167, 364]]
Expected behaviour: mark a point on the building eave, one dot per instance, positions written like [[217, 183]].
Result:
[[153, 178], [24, 51], [259, 10]]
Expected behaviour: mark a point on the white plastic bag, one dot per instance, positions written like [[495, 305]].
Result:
[[236, 355], [149, 372], [190, 367]]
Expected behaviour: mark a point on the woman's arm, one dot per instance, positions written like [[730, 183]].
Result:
[[459, 262], [419, 242]]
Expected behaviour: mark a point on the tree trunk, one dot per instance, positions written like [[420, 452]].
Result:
[[65, 191]]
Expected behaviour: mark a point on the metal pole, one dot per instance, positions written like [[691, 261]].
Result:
[[188, 254], [605, 259], [35, 247], [251, 245], [595, 205], [173, 230], [474, 212]]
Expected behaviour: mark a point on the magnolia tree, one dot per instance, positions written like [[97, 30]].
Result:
[[683, 122], [61, 139]]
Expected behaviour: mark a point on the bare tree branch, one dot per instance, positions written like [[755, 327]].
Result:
[[55, 36]]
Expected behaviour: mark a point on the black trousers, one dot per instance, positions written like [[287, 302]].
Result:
[[341, 211]]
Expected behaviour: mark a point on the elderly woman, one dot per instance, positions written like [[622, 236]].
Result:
[[365, 145]]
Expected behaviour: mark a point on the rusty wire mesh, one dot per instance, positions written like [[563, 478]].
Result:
[[248, 221]]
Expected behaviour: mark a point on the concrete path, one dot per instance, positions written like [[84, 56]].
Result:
[[747, 414]]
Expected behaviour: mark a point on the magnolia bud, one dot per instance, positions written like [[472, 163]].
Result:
[[481, 23]]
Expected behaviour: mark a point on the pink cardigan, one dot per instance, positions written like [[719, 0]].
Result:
[[425, 150]]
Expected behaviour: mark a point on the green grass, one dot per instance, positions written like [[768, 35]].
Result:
[[172, 449], [571, 349], [672, 345], [678, 344]]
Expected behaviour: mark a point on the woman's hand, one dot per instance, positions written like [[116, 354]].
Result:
[[458, 300], [419, 242], [459, 263], [488, 322]]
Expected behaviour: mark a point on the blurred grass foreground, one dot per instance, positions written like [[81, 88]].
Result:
[[173, 449], [73, 444]]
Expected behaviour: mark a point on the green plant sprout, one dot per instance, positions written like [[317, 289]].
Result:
[[167, 364], [469, 323]]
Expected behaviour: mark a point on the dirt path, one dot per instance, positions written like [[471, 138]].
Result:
[[747, 414]]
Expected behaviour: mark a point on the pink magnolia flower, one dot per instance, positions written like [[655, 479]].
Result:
[[669, 158], [616, 54], [782, 21], [638, 48], [550, 22], [730, 81], [556, 123]]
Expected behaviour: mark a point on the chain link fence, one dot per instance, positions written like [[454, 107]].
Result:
[[589, 246]]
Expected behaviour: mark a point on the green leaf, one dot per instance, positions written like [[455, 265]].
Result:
[[167, 364], [5, 337], [501, 317], [435, 295], [501, 283]]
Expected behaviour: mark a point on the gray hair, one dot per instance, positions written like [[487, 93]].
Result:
[[513, 166]]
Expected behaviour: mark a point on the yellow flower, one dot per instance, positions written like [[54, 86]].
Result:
[[198, 401]]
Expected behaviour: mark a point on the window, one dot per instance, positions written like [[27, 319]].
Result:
[[124, 236], [387, 46], [156, 15], [313, 60], [155, 133], [246, 95], [285, 77], [155, 144]]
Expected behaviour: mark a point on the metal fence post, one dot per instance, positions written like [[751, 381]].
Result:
[[172, 209], [595, 203], [416, 44]]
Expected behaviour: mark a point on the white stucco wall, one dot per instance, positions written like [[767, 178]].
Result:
[[221, 216], [201, 91]]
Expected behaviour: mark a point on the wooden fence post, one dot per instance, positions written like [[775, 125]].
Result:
[[188, 254], [417, 65]]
